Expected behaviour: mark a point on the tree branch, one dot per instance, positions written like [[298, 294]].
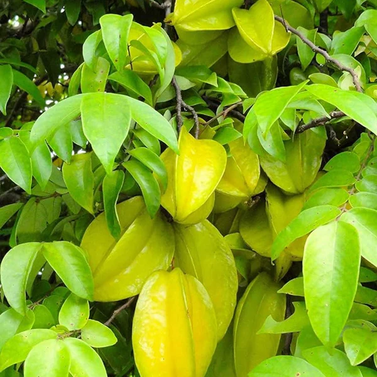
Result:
[[223, 113], [181, 104], [320, 121], [324, 53], [121, 308]]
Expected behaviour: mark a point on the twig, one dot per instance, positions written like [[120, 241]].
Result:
[[289, 336], [117, 311], [164, 5], [324, 53], [320, 121], [181, 104], [223, 113], [234, 113]]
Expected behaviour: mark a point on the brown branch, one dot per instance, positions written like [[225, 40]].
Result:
[[320, 121], [323, 52], [181, 104], [224, 113], [211, 102], [126, 305]]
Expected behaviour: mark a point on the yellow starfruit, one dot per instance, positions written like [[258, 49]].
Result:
[[259, 301], [192, 177], [201, 251], [303, 160], [174, 327], [259, 36], [121, 267]]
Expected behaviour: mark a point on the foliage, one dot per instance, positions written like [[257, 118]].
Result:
[[188, 189]]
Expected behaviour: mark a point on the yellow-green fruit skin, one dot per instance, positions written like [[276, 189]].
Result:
[[174, 327], [120, 267], [201, 251], [258, 302]]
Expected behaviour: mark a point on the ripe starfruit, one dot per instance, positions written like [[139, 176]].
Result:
[[258, 36], [259, 301], [201, 251], [303, 160], [121, 267], [174, 327], [193, 176]]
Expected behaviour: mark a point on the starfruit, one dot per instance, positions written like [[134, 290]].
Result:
[[174, 327], [121, 267], [258, 36], [201, 251], [303, 160], [259, 301], [193, 176]]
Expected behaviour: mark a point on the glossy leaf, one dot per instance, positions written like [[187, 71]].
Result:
[[97, 335], [56, 117], [115, 31], [78, 176], [6, 74], [7, 212], [94, 80], [285, 366], [112, 184], [15, 269], [72, 267], [106, 120], [24, 83], [331, 364], [359, 344], [331, 270], [15, 161], [48, 359], [148, 184], [74, 313], [18, 347]]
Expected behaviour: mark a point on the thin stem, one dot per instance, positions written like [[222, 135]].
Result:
[[223, 113], [324, 53], [121, 308], [320, 121]]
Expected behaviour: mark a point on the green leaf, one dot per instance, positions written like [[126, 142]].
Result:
[[304, 223], [294, 287], [94, 80], [48, 359], [97, 335], [364, 199], [226, 135], [6, 83], [61, 142], [72, 10], [280, 97], [359, 344], [74, 313], [295, 323], [321, 5], [7, 212], [306, 340], [367, 184], [70, 264], [89, 48], [15, 161], [74, 82], [15, 269], [305, 53], [331, 271], [55, 117], [365, 222], [12, 322], [17, 348], [153, 122], [330, 196], [148, 140], [115, 31], [130, 80], [85, 361], [148, 184], [347, 41], [24, 83], [153, 162], [335, 364], [285, 366], [43, 318], [41, 164], [40, 4], [345, 161], [112, 184], [106, 121], [368, 372], [355, 105], [78, 176], [334, 178]]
